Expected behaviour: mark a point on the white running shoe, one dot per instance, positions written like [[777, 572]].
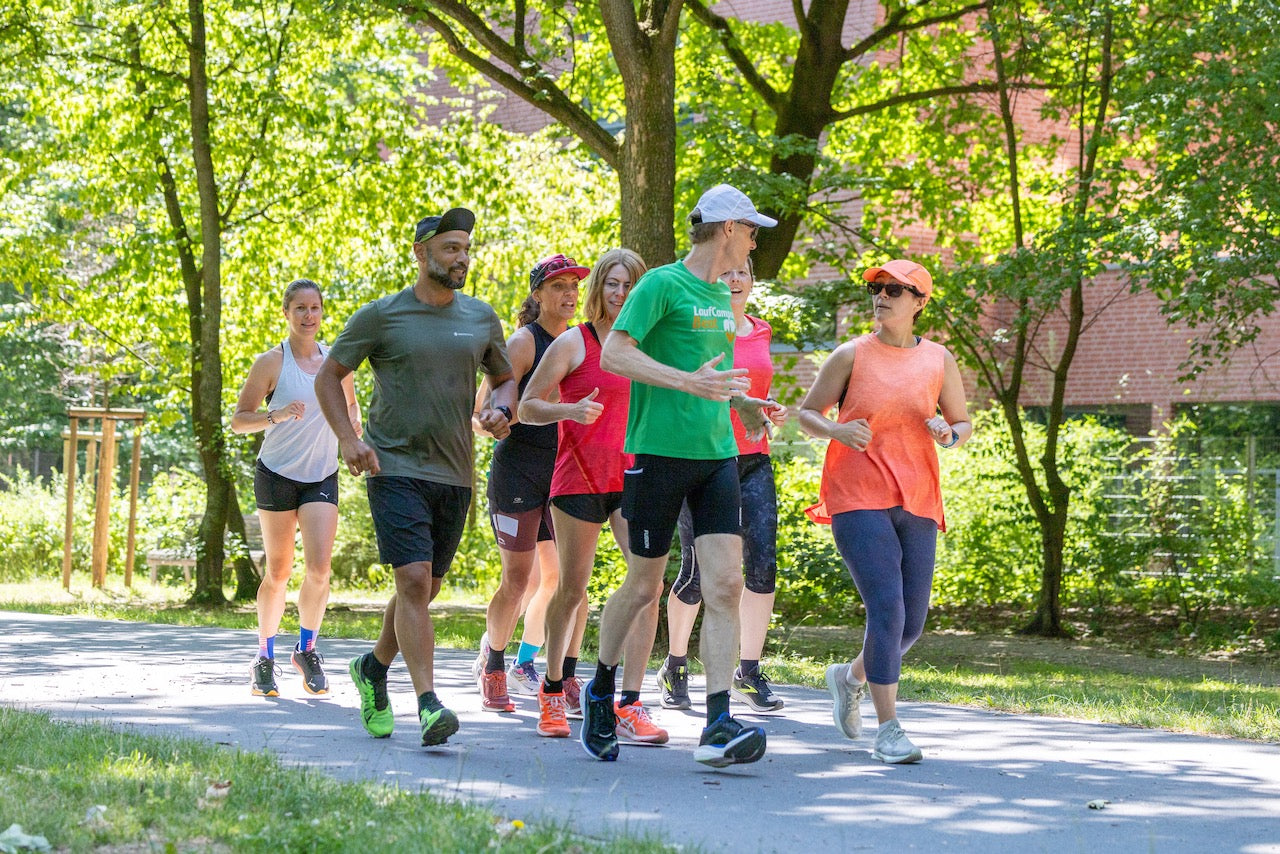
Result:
[[893, 746], [846, 701], [523, 678]]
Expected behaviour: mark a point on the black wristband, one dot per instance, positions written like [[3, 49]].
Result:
[[269, 421], [505, 410]]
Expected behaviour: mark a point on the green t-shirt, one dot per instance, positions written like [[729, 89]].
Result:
[[681, 321], [424, 362]]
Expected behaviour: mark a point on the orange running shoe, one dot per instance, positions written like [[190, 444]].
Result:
[[551, 720], [494, 688], [634, 724]]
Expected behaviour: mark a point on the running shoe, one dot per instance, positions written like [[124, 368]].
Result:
[[551, 720], [375, 706], [598, 733], [262, 677], [893, 746], [754, 690], [573, 698], [477, 666], [494, 688], [673, 684], [308, 664], [523, 678], [727, 742], [846, 700], [634, 724], [437, 725]]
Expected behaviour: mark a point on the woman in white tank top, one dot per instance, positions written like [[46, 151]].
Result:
[[295, 484]]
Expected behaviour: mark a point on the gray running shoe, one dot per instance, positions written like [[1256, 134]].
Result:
[[846, 700], [308, 664], [523, 678], [262, 677], [754, 690], [893, 746], [673, 686]]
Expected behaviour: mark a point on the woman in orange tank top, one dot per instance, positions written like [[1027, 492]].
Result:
[[898, 396]]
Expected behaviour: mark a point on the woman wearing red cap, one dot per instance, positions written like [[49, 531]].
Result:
[[898, 396], [520, 483]]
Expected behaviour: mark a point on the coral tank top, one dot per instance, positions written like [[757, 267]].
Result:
[[589, 460]]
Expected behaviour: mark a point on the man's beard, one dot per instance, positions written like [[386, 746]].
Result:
[[440, 273]]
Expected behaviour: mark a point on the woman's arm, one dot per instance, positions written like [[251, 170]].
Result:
[[828, 388], [262, 379], [563, 357], [952, 428]]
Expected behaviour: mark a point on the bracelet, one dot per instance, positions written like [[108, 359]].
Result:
[[955, 437], [269, 418]]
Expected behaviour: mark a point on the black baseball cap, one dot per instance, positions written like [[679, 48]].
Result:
[[454, 219]]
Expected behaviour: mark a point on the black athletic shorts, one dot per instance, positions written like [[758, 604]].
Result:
[[274, 491], [589, 507], [655, 487], [759, 533], [417, 520], [520, 495]]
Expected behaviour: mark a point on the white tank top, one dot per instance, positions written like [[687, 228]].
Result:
[[305, 449]]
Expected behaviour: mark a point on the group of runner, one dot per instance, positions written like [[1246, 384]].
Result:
[[652, 415]]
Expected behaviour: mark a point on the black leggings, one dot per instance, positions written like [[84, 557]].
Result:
[[759, 533]]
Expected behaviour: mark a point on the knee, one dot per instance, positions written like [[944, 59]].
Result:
[[723, 592], [277, 574], [413, 581]]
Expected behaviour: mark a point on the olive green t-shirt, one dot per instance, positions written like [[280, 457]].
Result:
[[681, 321], [424, 360]]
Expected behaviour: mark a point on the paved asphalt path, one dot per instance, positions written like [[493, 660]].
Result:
[[989, 781]]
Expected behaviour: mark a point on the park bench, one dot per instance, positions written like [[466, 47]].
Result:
[[184, 556]]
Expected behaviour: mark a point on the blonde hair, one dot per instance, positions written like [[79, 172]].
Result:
[[634, 265]]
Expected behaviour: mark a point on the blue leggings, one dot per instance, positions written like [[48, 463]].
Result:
[[890, 555]]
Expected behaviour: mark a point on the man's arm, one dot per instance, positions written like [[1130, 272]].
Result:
[[358, 456], [493, 420], [622, 355]]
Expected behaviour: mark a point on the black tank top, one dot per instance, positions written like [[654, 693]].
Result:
[[542, 435]]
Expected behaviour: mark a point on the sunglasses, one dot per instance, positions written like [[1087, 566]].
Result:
[[893, 289], [550, 268], [754, 229]]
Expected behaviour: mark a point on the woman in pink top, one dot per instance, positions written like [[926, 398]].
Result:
[[590, 406], [880, 488], [751, 350]]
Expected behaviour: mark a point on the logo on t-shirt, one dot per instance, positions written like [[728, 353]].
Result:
[[713, 319]]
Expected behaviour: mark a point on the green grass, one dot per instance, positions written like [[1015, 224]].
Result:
[[156, 797], [937, 670]]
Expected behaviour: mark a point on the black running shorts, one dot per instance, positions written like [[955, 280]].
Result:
[[276, 492], [655, 487], [417, 521]]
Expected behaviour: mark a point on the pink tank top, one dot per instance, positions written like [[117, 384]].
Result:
[[896, 390], [589, 460], [752, 352]]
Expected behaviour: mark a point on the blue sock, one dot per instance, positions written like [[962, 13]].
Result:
[[267, 647], [306, 639], [527, 652]]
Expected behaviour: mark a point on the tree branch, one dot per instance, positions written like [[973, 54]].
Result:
[[893, 26], [913, 97], [745, 64]]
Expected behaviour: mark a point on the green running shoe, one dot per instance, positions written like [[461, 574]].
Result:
[[375, 707], [437, 725]]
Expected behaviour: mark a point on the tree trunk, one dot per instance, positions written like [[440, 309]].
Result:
[[1047, 620], [247, 576], [206, 388]]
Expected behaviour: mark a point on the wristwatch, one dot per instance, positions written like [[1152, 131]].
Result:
[[505, 410]]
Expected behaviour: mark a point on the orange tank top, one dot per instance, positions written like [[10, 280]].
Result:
[[896, 389]]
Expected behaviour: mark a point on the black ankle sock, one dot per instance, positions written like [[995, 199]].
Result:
[[603, 685], [428, 701], [717, 705], [372, 668], [497, 660], [629, 698], [748, 667], [552, 686], [570, 667], [677, 661]]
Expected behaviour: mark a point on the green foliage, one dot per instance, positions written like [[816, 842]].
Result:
[[813, 583]]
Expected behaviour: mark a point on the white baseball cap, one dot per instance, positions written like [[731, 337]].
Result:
[[723, 203]]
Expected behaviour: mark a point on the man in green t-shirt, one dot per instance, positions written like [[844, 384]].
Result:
[[425, 344], [674, 340]]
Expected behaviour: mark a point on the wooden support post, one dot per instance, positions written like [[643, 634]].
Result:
[[134, 470], [102, 514], [73, 443]]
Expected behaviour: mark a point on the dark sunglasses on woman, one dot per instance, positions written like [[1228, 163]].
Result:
[[893, 289]]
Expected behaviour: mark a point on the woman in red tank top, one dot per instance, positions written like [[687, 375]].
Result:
[[880, 488], [568, 387]]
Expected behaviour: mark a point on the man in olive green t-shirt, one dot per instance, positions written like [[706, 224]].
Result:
[[674, 340], [425, 345]]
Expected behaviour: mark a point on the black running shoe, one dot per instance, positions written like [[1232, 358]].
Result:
[[262, 676], [754, 690], [673, 684], [308, 664], [437, 725], [727, 742], [598, 733]]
